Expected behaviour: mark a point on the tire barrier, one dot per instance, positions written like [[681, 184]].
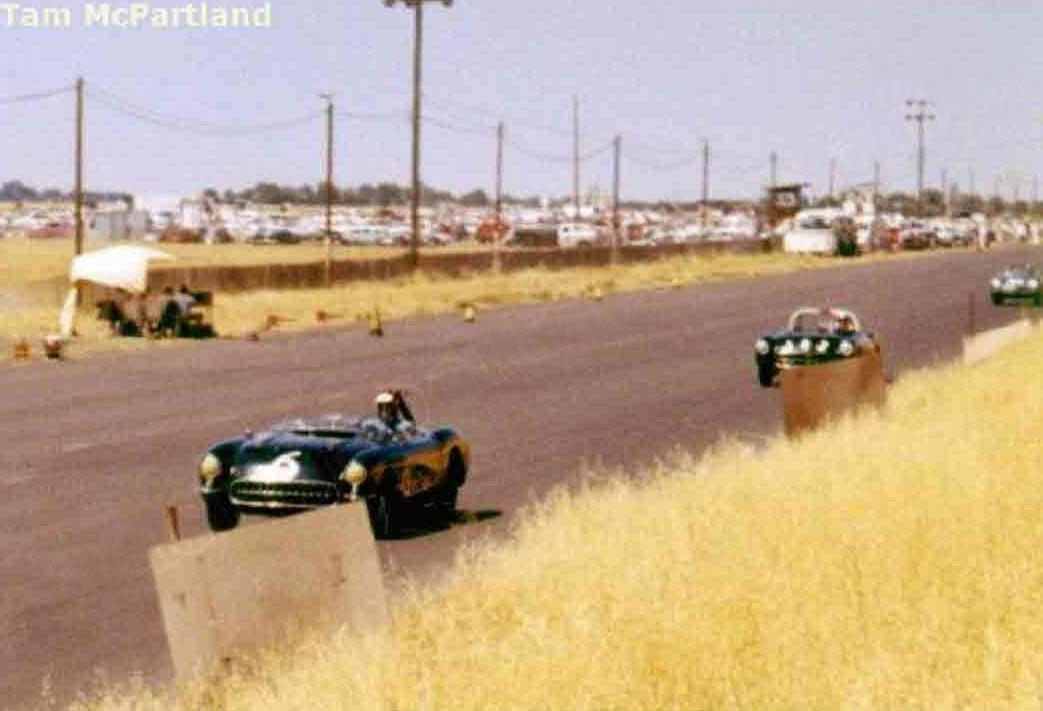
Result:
[[980, 346], [813, 394], [225, 596]]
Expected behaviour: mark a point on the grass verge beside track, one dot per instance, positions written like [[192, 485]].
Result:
[[421, 295], [893, 560]]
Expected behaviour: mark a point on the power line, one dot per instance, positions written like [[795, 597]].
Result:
[[555, 157], [514, 122], [386, 116], [458, 128], [664, 166], [36, 95], [128, 108]]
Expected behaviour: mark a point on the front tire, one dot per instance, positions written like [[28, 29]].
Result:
[[384, 516], [766, 374], [997, 300], [221, 515]]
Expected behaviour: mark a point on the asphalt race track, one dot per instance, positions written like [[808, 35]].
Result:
[[94, 449]]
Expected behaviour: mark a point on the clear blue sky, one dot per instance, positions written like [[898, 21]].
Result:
[[812, 79]]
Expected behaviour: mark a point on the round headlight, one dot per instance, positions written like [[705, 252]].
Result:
[[822, 346], [354, 473], [995, 283], [846, 348], [762, 346], [1033, 283], [805, 345], [210, 467]]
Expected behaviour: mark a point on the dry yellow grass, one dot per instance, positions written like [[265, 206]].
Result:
[[891, 561], [425, 294], [29, 304]]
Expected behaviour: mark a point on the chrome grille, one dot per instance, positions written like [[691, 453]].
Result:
[[295, 493]]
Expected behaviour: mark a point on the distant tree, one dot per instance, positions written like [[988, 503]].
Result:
[[389, 194], [268, 194], [475, 198], [17, 190]]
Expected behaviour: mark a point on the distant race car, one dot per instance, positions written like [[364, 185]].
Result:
[[812, 336], [303, 464], [1018, 283]]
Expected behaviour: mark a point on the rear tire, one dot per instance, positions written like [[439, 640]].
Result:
[[449, 502], [455, 478], [221, 515]]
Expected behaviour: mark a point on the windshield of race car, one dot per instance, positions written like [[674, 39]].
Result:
[[815, 322]]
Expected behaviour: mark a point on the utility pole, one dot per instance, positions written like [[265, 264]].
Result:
[[498, 234], [918, 112], [706, 185], [774, 161], [970, 180], [617, 145], [329, 188], [575, 154], [832, 177], [78, 177], [876, 178], [418, 45], [945, 191]]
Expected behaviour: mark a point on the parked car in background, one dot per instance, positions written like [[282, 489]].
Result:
[[577, 234], [812, 232], [917, 235]]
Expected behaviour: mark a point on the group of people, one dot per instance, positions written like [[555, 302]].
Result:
[[146, 315]]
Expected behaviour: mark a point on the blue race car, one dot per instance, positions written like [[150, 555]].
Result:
[[397, 467]]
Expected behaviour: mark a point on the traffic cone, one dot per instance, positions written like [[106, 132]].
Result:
[[20, 350], [470, 313], [376, 325]]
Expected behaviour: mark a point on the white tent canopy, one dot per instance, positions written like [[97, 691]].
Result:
[[121, 267]]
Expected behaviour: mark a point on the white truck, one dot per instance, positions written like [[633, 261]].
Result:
[[577, 234]]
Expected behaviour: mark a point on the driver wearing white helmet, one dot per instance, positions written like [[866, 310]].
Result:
[[394, 414]]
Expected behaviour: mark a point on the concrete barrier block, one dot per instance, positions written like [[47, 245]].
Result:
[[980, 346], [225, 596], [813, 394]]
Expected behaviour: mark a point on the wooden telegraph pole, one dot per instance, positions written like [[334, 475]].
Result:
[[78, 176]]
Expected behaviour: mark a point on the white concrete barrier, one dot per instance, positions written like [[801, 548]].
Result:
[[980, 346], [814, 393], [227, 595]]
